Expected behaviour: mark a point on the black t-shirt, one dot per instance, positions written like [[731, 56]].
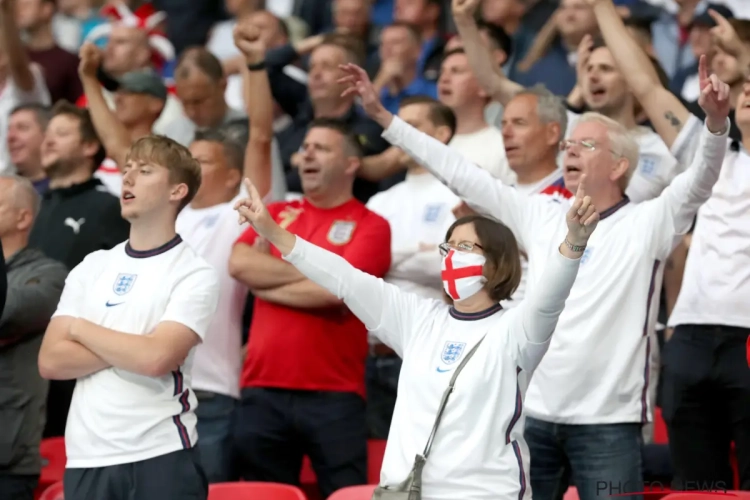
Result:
[[78, 220]]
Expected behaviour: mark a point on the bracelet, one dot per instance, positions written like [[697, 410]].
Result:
[[574, 248], [257, 66]]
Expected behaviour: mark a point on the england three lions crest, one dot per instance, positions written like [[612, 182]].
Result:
[[341, 232], [452, 352], [124, 283]]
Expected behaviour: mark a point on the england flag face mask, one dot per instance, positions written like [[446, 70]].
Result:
[[462, 274]]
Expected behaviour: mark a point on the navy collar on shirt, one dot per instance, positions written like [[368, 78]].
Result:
[[142, 254], [462, 316], [614, 208]]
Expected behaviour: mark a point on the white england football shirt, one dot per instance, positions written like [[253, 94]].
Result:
[[716, 283], [479, 452], [211, 232], [597, 370], [117, 416]]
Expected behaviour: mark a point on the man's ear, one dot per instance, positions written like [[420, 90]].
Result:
[[443, 134], [553, 133], [353, 164], [90, 148], [620, 169], [179, 192]]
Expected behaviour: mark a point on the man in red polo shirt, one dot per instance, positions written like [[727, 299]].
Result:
[[304, 375]]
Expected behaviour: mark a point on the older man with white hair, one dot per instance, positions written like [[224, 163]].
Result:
[[588, 398], [35, 283]]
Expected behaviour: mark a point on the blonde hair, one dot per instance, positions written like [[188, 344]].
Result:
[[163, 151], [621, 142]]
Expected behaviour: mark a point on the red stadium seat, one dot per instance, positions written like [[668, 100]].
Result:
[[354, 493], [660, 428], [375, 452], [571, 494], [54, 492], [53, 462], [254, 491]]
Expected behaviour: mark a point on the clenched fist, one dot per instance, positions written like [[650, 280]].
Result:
[[91, 59], [248, 41]]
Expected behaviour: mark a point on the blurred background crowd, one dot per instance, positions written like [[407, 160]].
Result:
[[287, 372]]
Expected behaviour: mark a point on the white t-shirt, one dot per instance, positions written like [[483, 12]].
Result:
[[117, 416], [597, 369], [486, 149], [211, 232], [479, 452], [716, 283], [419, 210], [10, 97], [656, 165], [552, 186]]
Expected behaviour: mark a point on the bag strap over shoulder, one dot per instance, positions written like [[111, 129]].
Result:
[[446, 394]]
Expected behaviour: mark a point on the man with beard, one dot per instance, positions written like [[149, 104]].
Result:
[[77, 215]]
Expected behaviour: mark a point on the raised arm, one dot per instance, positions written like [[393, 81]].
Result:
[[538, 314], [383, 308], [259, 107], [114, 135], [488, 73], [18, 60], [474, 185], [673, 212], [665, 111]]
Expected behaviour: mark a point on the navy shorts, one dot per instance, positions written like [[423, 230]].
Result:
[[176, 475]]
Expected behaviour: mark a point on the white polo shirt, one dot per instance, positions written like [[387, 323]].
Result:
[[716, 283], [117, 416], [479, 452], [656, 165], [597, 369], [211, 232]]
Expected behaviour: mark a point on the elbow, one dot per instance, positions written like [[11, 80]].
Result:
[[49, 368], [159, 364], [235, 267]]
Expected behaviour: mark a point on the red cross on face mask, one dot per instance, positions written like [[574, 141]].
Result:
[[462, 274]]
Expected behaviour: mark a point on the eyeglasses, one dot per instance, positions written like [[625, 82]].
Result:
[[463, 246], [585, 144]]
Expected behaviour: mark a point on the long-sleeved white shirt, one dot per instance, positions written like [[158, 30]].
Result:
[[479, 452], [716, 283], [597, 370]]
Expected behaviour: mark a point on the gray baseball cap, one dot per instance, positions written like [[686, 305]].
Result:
[[143, 82]]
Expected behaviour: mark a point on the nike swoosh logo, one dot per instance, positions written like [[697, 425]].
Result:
[[443, 371], [115, 304]]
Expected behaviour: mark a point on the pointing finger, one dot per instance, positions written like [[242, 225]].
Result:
[[702, 69], [581, 192]]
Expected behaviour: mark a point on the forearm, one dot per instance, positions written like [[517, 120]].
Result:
[[115, 137], [259, 270], [674, 270], [422, 267], [131, 352], [259, 107], [233, 65], [381, 166], [18, 60], [545, 303], [28, 310], [303, 294], [69, 360], [489, 75]]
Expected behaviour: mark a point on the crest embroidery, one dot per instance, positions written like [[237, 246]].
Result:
[[124, 283], [341, 232], [452, 352]]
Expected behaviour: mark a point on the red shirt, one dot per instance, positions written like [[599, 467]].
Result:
[[317, 349]]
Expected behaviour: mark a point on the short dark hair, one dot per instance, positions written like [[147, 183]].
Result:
[[352, 146], [497, 36], [85, 127], [233, 149], [41, 113], [503, 266], [353, 47], [440, 114], [411, 28], [199, 58]]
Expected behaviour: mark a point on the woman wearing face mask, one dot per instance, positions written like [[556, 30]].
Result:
[[477, 451]]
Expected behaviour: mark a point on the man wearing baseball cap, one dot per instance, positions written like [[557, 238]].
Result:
[[139, 98]]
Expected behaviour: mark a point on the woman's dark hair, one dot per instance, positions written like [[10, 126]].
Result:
[[503, 266]]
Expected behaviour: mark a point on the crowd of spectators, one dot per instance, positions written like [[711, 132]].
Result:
[[286, 370]]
